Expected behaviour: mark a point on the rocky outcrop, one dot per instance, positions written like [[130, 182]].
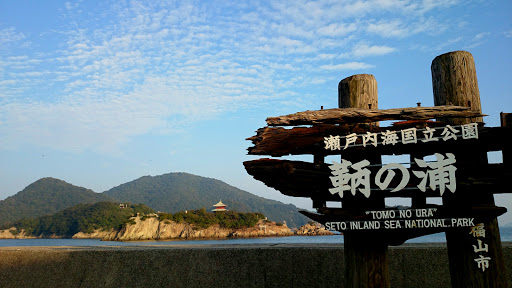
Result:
[[264, 228], [150, 228], [97, 234], [11, 234], [312, 229]]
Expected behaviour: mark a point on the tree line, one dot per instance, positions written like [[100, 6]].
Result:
[[108, 216], [203, 219]]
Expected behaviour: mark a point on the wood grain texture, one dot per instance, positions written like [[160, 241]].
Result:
[[454, 82], [278, 141], [304, 179], [357, 115], [358, 91]]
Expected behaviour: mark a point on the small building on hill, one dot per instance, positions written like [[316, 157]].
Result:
[[219, 207]]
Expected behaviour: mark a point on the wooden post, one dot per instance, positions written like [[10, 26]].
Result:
[[454, 82], [506, 121], [318, 202], [366, 254], [358, 91]]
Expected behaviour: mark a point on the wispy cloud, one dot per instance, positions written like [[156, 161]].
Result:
[[389, 28], [478, 40], [399, 28], [337, 29], [10, 35], [347, 66], [364, 50], [154, 67]]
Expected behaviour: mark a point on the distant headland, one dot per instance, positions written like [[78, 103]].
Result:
[[126, 222]]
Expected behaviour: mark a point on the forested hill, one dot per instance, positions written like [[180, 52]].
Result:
[[174, 192], [84, 218], [45, 196], [169, 193]]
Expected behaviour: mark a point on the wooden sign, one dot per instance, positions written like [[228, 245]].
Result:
[[434, 216], [359, 178], [457, 171]]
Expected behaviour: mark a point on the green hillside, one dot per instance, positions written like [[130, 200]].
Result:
[[175, 192], [168, 193], [108, 216], [43, 197], [80, 218]]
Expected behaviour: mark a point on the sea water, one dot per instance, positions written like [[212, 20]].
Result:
[[505, 233]]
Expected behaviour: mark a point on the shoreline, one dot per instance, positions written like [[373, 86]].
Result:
[[168, 239], [413, 246], [152, 229]]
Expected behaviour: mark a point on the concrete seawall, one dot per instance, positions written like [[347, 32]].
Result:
[[272, 265]]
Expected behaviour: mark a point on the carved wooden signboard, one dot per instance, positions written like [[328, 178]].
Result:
[[456, 170]]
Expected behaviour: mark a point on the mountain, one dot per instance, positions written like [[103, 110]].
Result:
[[43, 197], [174, 192]]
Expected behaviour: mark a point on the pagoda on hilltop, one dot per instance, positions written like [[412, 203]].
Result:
[[219, 207]]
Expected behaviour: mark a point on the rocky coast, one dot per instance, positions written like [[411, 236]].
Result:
[[149, 227]]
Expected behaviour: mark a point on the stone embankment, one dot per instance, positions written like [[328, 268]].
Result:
[[223, 266]]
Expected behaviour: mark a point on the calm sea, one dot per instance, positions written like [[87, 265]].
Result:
[[505, 232]]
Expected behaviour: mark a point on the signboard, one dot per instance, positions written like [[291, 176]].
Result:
[[360, 182], [401, 219], [404, 136], [482, 261], [363, 184], [439, 174]]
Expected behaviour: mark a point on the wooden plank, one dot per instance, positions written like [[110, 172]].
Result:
[[356, 115], [348, 214], [293, 178], [398, 235], [304, 179], [279, 141]]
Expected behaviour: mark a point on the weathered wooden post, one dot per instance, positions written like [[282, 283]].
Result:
[[366, 256], [358, 91], [454, 83], [475, 260]]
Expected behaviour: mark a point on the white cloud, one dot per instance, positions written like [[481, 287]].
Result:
[[347, 66], [389, 28], [508, 34], [481, 36], [9, 35], [337, 29], [427, 5], [138, 67], [292, 30], [363, 50], [478, 40]]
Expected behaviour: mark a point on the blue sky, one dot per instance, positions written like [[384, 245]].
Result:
[[98, 93]]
